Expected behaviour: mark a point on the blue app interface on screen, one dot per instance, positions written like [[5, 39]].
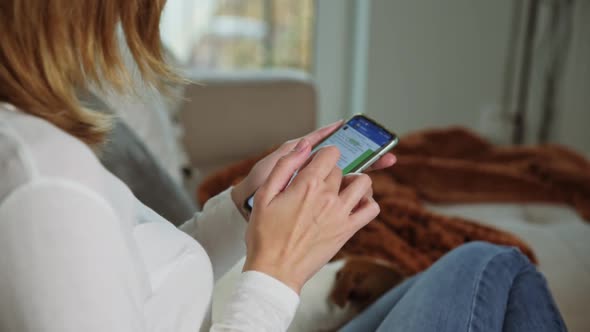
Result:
[[357, 141]]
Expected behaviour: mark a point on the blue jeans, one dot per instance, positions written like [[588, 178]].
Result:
[[476, 287]]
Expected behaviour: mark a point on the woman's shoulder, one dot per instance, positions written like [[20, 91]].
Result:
[[32, 147]]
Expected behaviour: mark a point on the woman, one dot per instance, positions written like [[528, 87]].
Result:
[[79, 253]]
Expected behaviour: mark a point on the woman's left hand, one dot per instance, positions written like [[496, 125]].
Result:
[[263, 167]]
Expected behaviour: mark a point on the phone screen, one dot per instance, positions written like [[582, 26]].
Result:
[[358, 140]]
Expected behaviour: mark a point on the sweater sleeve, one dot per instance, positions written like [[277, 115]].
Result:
[[220, 228], [64, 263], [258, 303]]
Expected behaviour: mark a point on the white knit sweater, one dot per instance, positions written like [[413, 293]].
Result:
[[78, 252]]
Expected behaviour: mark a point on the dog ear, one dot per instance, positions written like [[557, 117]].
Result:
[[359, 295], [340, 290], [348, 283], [362, 280]]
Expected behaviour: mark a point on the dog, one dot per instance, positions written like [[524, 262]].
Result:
[[362, 280]]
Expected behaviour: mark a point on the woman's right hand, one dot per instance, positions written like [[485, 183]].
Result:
[[293, 232]]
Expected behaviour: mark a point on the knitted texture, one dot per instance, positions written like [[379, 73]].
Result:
[[451, 165]]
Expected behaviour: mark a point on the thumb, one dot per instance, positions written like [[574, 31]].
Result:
[[283, 171]]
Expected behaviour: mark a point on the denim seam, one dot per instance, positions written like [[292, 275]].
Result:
[[469, 327]]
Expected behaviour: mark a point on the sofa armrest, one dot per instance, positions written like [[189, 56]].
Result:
[[228, 117]]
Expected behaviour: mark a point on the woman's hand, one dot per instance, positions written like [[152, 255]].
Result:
[[293, 232], [262, 169]]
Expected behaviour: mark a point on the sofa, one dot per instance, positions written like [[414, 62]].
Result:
[[224, 118]]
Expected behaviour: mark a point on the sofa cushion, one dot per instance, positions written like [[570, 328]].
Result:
[[127, 157]]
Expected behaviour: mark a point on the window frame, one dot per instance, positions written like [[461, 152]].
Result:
[[341, 57]]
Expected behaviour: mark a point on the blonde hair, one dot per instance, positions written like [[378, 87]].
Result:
[[51, 48]]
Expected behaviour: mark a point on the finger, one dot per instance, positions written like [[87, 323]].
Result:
[[355, 191], [368, 196], [313, 138], [317, 136], [387, 160], [311, 157], [367, 210], [282, 172], [334, 179], [348, 179], [321, 164]]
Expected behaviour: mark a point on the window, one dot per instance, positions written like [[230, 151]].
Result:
[[240, 34]]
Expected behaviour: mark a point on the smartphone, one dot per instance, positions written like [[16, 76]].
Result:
[[361, 142]]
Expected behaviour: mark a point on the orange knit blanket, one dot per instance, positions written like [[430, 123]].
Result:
[[449, 166]]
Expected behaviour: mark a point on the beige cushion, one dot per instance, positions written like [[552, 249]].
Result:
[[233, 116]]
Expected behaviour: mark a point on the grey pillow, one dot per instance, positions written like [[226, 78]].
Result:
[[128, 158]]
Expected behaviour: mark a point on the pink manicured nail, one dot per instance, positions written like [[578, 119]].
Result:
[[335, 123]]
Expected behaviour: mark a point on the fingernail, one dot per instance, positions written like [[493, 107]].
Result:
[[300, 146], [335, 123]]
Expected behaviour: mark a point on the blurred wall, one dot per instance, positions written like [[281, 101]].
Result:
[[572, 126], [439, 63]]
